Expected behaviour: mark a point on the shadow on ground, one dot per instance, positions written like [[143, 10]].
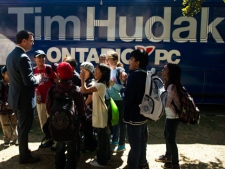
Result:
[[200, 147], [196, 164]]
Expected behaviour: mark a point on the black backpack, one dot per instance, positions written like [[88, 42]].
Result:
[[63, 120]]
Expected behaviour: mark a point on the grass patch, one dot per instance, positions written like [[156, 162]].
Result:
[[210, 130]]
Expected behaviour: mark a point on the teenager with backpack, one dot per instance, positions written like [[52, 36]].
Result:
[[99, 112], [119, 130], [136, 123], [66, 87], [48, 78], [172, 76], [89, 141], [8, 118]]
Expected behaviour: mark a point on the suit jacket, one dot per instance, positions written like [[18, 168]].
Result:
[[21, 80]]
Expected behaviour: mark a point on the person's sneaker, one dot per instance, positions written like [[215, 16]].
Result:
[[53, 147], [163, 159], [167, 165], [15, 142], [6, 144], [46, 143], [114, 143], [119, 148], [95, 164]]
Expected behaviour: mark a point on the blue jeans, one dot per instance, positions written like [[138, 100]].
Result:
[[138, 145], [104, 150], [119, 130], [170, 132]]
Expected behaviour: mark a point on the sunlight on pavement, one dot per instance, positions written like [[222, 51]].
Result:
[[190, 155]]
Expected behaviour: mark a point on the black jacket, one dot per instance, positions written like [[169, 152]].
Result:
[[133, 96]]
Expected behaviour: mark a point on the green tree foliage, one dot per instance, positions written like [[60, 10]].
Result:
[[192, 7]]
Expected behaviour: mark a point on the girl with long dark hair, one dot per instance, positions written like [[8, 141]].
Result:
[[172, 76], [99, 112]]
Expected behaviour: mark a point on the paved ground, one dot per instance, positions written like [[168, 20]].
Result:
[[200, 147]]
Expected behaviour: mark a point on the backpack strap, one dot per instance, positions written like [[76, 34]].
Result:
[[103, 103], [177, 110], [48, 69], [148, 80], [118, 70], [148, 85]]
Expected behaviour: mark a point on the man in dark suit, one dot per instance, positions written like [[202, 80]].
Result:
[[21, 91]]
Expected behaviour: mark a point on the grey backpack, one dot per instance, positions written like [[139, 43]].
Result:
[[155, 97]]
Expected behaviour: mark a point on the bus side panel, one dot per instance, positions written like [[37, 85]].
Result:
[[84, 30]]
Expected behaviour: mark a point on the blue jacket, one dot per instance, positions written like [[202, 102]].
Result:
[[21, 80], [133, 96]]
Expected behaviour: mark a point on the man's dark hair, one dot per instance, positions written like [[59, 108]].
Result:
[[22, 35], [141, 56]]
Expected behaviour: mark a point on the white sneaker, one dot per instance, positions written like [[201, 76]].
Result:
[[95, 164], [6, 144]]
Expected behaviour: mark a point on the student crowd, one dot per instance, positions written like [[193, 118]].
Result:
[[25, 89]]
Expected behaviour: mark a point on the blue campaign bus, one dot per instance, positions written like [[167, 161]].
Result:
[[84, 29]]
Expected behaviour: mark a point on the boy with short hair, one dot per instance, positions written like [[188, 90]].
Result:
[[136, 123], [8, 118], [48, 77]]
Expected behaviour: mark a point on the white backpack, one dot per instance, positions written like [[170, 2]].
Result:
[[154, 100]]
